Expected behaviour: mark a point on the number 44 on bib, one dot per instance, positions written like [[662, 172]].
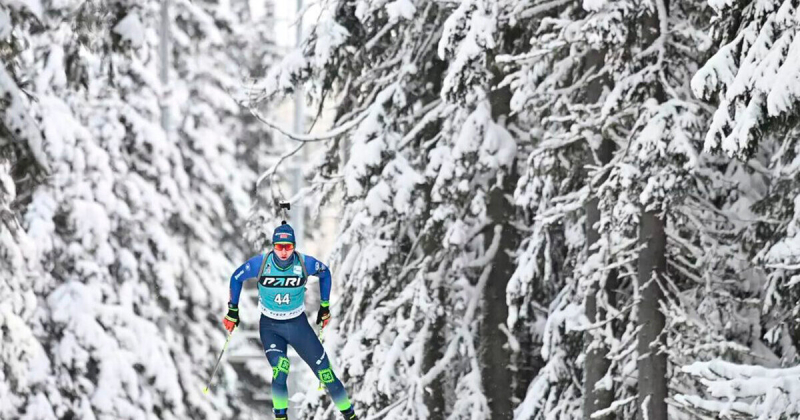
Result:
[[282, 299]]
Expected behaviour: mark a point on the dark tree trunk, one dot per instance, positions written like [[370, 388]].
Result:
[[493, 350], [434, 395], [495, 355], [652, 363], [597, 364]]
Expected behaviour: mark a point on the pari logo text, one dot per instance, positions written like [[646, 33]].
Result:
[[282, 281]]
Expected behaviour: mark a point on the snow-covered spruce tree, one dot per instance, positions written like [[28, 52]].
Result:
[[648, 51], [425, 172], [713, 289], [559, 87], [131, 225], [251, 45], [25, 365], [559, 98], [752, 74], [218, 48], [751, 81]]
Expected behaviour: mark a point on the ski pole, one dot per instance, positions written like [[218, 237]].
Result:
[[211, 378]]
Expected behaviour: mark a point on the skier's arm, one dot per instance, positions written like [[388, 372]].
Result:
[[246, 272], [316, 268]]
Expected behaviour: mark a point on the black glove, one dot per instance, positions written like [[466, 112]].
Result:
[[323, 316], [231, 320]]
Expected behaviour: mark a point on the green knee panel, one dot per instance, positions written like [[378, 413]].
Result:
[[283, 366], [326, 376]]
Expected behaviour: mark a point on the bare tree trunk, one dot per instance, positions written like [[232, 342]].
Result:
[[493, 350], [495, 355], [597, 365], [434, 397], [652, 363]]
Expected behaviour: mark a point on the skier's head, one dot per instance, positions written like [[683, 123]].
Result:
[[283, 241]]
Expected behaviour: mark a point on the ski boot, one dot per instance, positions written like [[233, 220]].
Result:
[[349, 414], [281, 414]]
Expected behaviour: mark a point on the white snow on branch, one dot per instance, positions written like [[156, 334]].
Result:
[[755, 391]]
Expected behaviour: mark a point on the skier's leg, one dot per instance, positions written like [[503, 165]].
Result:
[[307, 345], [275, 350]]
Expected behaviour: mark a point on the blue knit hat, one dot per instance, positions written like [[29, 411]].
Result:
[[284, 234]]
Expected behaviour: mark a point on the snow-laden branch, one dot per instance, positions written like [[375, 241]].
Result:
[[487, 258], [618, 314], [463, 332], [306, 138], [430, 116], [271, 170], [508, 58], [577, 199], [542, 8], [17, 119], [382, 97], [659, 44], [752, 391], [616, 405], [386, 28]]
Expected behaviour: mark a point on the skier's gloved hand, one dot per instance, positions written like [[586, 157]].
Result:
[[231, 320], [324, 314]]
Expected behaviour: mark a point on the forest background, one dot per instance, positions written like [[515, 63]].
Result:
[[550, 209]]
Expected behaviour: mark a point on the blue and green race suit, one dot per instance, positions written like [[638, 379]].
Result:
[[281, 292], [281, 295]]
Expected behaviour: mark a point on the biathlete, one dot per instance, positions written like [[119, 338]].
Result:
[[282, 276]]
